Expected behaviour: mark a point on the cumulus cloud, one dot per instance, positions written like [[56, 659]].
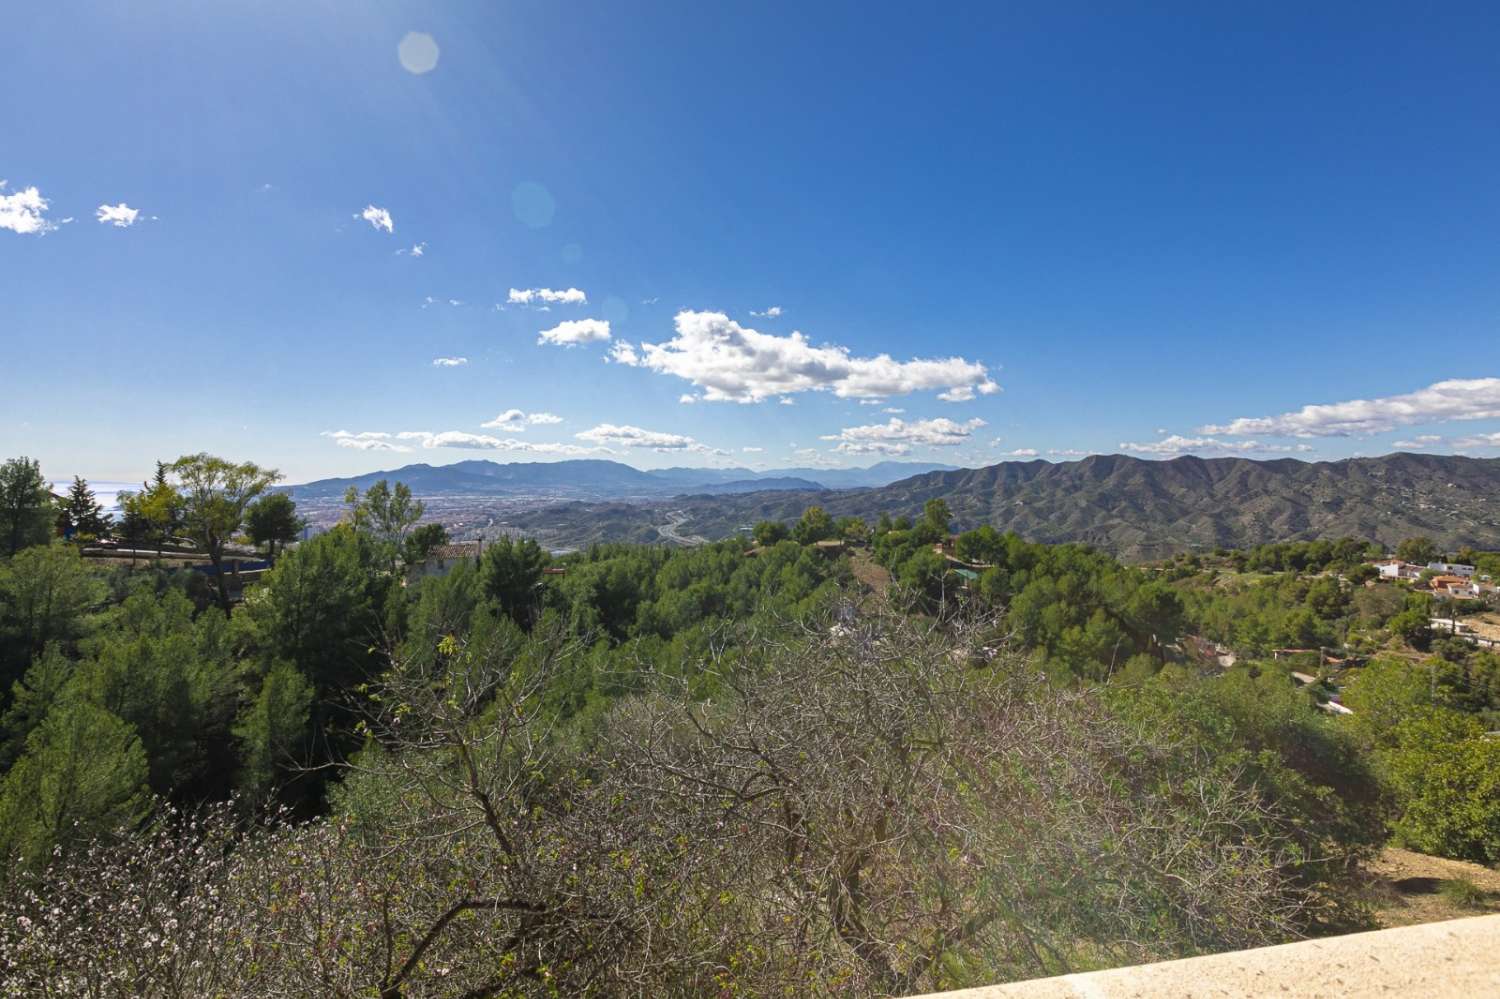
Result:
[[1454, 399], [378, 218], [121, 216], [687, 399], [514, 420], [530, 296], [1177, 444], [24, 212], [374, 440], [449, 362], [634, 437], [572, 332], [770, 313], [1476, 440], [1069, 452], [622, 352], [368, 441], [1023, 452], [753, 450], [734, 363], [1418, 442], [899, 436]]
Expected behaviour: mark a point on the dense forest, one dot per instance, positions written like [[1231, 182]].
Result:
[[828, 758]]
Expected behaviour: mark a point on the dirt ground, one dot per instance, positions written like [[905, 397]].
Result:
[[1405, 885], [1486, 625]]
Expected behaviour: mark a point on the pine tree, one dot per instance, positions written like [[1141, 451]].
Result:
[[83, 512], [26, 507]]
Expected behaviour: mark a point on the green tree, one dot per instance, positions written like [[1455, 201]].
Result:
[[31, 698], [422, 542], [936, 516], [83, 775], [320, 608], [814, 526], [769, 532], [1445, 771], [272, 519], [83, 514], [1419, 550], [154, 514], [272, 732], [26, 507], [46, 593], [172, 680], [387, 514], [513, 577], [215, 494]]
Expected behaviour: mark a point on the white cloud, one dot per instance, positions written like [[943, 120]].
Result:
[[622, 352], [379, 440], [1418, 443], [379, 218], [1023, 452], [770, 313], [449, 362], [733, 363], [370, 444], [572, 332], [872, 447], [893, 410], [1178, 444], [121, 216], [24, 212], [1477, 440], [1069, 452], [634, 437], [515, 420], [899, 436], [753, 450], [1454, 399], [687, 399], [415, 251], [528, 296], [368, 441], [651, 301], [787, 400]]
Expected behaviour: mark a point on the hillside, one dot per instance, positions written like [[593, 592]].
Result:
[[600, 479], [1145, 509]]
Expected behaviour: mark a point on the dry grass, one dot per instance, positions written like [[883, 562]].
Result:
[[1409, 888]]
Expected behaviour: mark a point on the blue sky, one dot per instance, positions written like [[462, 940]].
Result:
[[1040, 229]]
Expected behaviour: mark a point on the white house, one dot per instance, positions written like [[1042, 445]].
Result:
[[1394, 568], [1452, 569]]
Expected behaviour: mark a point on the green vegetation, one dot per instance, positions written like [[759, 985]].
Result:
[[726, 769]]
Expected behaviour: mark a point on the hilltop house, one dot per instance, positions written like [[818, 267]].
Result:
[[1454, 586], [443, 559], [1452, 569], [1395, 568]]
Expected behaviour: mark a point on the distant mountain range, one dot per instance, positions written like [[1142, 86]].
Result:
[[597, 479], [1133, 507]]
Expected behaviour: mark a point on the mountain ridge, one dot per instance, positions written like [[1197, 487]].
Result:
[[603, 479], [1140, 508]]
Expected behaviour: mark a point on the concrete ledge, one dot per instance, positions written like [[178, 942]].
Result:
[[1458, 958]]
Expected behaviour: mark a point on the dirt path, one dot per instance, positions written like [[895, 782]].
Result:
[[871, 574], [1406, 888]]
